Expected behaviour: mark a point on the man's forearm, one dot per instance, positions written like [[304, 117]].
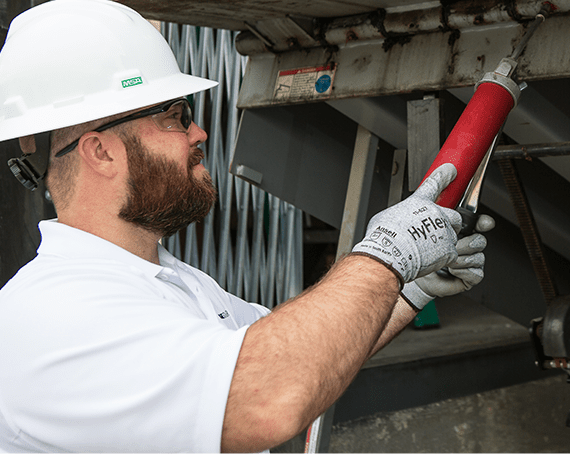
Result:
[[297, 361]]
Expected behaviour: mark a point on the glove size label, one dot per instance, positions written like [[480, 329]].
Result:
[[421, 210], [427, 226]]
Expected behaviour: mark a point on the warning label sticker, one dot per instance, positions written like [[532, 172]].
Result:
[[304, 83]]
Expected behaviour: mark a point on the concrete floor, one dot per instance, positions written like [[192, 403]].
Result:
[[529, 417]]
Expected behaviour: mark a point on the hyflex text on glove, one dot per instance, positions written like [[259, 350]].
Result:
[[415, 236]]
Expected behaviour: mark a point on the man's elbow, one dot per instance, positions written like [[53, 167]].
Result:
[[264, 429]]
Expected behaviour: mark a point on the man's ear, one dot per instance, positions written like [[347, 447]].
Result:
[[100, 152]]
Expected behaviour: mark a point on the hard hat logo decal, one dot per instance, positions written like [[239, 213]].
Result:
[[131, 82]]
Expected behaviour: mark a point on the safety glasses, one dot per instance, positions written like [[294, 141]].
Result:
[[171, 116]]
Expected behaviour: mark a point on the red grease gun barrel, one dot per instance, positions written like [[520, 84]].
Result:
[[495, 96]]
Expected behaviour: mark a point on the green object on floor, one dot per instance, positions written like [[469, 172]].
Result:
[[428, 317]]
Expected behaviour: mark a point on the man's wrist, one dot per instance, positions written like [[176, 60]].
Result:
[[387, 265]]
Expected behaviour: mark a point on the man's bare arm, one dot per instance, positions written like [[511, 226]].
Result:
[[298, 360]]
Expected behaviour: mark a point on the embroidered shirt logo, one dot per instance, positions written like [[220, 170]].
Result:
[[224, 314]]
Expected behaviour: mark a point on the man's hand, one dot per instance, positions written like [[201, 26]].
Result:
[[415, 236], [465, 272]]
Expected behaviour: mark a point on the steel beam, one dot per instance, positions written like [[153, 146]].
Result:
[[427, 62]]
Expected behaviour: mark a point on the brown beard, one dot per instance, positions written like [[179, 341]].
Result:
[[161, 197]]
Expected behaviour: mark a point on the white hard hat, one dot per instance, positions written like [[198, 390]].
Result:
[[66, 62]]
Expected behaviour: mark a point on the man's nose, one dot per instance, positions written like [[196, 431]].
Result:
[[196, 135]]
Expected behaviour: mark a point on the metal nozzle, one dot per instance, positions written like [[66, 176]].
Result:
[[539, 19]]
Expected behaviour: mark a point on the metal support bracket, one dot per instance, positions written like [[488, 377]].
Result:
[[425, 128], [358, 193]]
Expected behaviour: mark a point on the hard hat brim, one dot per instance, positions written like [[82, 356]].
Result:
[[87, 108]]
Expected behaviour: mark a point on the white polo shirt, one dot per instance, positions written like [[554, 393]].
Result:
[[103, 351]]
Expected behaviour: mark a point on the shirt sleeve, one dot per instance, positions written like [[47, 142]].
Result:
[[111, 368]]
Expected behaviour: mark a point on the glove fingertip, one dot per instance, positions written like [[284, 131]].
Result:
[[485, 223]]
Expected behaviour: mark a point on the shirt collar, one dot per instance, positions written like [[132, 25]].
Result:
[[68, 242]]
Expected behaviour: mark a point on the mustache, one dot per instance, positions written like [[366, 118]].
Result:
[[195, 158]]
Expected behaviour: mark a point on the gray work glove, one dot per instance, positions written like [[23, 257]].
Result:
[[416, 236], [465, 272]]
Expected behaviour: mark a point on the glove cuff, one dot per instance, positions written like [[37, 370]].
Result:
[[387, 265], [415, 296]]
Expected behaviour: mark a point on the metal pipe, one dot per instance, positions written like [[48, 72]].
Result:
[[539, 150]]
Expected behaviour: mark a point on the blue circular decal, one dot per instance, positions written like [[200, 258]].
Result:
[[323, 83]]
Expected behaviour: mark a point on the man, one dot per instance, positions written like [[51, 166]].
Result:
[[107, 342]]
